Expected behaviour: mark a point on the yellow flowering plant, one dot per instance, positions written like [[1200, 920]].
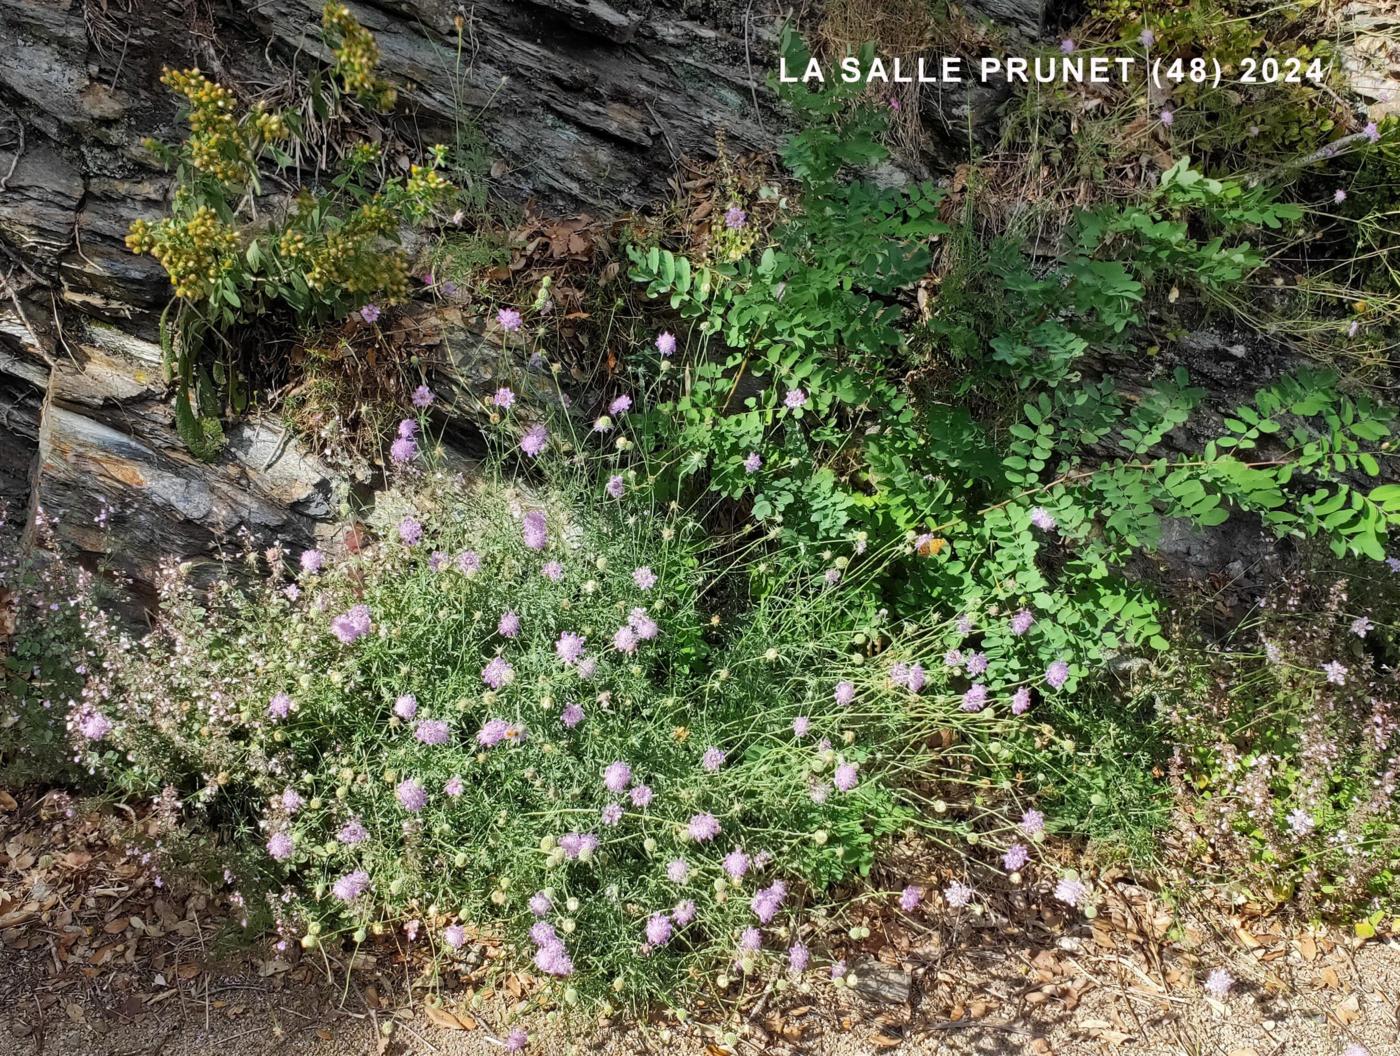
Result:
[[235, 260]]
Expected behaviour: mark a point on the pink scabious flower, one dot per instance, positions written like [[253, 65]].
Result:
[[736, 863], [569, 648], [1356, 1049], [1067, 46], [953, 658], [1372, 132], [893, 103], [845, 777], [1032, 821], [831, 577], [492, 732], [624, 640], [1301, 822], [620, 405], [455, 936], [404, 449], [615, 486], [423, 397], [553, 959], [642, 624], [406, 706], [666, 343], [1057, 674], [611, 814], [437, 561], [976, 663], [408, 429], [454, 787], [844, 693], [552, 571], [1218, 983], [535, 530], [617, 776], [794, 399], [280, 847], [503, 398], [1339, 196], [411, 795], [508, 319], [1021, 622], [712, 760], [1336, 672], [684, 912], [801, 726], [587, 667], [735, 218], [433, 731], [312, 561], [644, 577], [410, 531], [958, 894], [1043, 519], [1071, 890], [677, 870], [767, 901], [370, 313], [279, 707], [838, 970], [975, 699], [641, 795], [351, 886], [798, 958], [352, 832], [509, 624], [535, 440], [1147, 38], [703, 827], [602, 424], [578, 844], [750, 940], [497, 672], [1021, 701], [1362, 626], [964, 624], [353, 624], [753, 463], [469, 562], [540, 904], [909, 898], [658, 929], [292, 801], [1167, 118], [516, 1040], [1015, 858]]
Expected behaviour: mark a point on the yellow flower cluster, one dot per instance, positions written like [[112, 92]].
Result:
[[194, 250], [221, 143], [349, 259], [426, 184], [356, 57]]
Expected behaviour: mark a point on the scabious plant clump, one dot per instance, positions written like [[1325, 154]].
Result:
[[630, 792]]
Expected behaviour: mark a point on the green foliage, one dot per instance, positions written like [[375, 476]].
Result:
[[802, 361]]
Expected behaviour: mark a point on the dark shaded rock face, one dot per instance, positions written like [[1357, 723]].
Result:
[[584, 105]]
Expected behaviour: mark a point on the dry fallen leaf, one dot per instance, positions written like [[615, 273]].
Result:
[[1347, 1011]]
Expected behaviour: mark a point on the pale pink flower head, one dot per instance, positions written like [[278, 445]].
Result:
[[312, 561], [620, 405], [280, 847], [455, 936], [910, 897], [370, 313], [351, 886], [509, 625], [406, 706], [845, 693], [404, 449], [410, 531], [569, 648], [411, 795], [615, 486], [617, 776], [666, 343], [845, 777], [703, 827], [535, 440], [753, 463], [535, 530], [644, 577], [1218, 983], [279, 707], [423, 397], [1167, 118], [712, 760], [503, 398], [794, 399], [508, 319], [735, 218]]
